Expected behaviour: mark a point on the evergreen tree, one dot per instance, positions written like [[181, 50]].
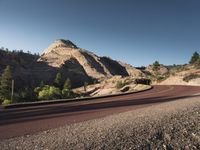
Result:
[[194, 58], [67, 84], [156, 65], [58, 80], [49, 92], [42, 84], [5, 84]]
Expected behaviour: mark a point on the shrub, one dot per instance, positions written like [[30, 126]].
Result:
[[37, 89], [58, 82], [49, 92], [160, 78], [66, 93], [178, 68], [6, 102], [67, 84], [190, 77], [120, 84]]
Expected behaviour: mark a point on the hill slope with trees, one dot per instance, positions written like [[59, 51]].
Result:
[[44, 76]]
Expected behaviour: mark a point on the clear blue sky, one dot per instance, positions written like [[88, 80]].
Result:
[[137, 32]]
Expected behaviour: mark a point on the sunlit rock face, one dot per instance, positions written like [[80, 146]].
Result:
[[65, 57], [62, 51]]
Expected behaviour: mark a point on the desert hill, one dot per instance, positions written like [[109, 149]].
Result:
[[183, 75], [62, 51], [62, 56], [187, 74]]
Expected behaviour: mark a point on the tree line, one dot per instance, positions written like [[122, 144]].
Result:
[[59, 89]]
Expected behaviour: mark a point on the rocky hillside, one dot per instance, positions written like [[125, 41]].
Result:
[[155, 71], [183, 75], [20, 64], [61, 52], [65, 57]]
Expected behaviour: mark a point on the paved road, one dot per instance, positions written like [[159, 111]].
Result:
[[28, 120]]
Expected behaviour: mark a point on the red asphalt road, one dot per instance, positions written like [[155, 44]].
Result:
[[28, 120]]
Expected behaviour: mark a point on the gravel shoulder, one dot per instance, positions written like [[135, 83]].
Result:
[[171, 125]]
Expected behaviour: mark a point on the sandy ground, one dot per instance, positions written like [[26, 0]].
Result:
[[177, 79], [171, 125], [108, 87]]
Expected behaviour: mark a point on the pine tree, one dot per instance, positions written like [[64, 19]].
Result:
[[156, 65], [194, 58], [5, 84], [67, 84], [58, 80]]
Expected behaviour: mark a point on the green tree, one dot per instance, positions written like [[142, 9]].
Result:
[[6, 102], [37, 90], [67, 84], [194, 58], [156, 65], [49, 92], [25, 94], [5, 84], [66, 93], [58, 80]]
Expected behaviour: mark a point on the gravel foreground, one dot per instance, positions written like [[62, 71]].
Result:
[[167, 126]]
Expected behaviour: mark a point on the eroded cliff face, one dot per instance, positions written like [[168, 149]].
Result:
[[61, 51]]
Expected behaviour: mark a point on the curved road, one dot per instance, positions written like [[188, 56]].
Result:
[[28, 120]]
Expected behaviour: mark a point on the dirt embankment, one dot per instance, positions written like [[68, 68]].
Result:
[[113, 85], [172, 125], [191, 76]]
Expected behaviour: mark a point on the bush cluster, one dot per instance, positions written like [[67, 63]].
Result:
[[120, 84], [190, 77], [56, 91]]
